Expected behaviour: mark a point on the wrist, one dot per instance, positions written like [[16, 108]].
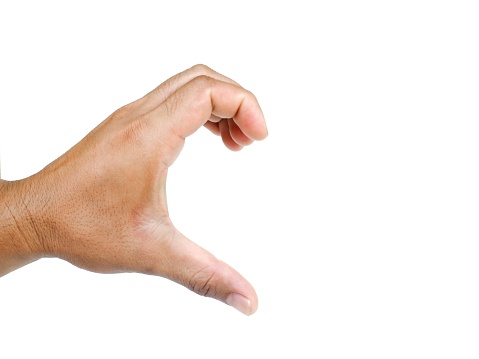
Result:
[[21, 235]]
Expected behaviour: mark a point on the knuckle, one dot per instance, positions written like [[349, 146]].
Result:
[[200, 69], [124, 111], [250, 95], [204, 283], [203, 81], [201, 87]]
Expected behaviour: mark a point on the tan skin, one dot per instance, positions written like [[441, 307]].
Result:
[[102, 205]]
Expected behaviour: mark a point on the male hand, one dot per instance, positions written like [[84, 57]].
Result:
[[102, 205]]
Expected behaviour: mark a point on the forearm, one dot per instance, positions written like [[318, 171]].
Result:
[[18, 242]]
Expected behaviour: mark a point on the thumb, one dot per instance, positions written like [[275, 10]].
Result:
[[197, 269]]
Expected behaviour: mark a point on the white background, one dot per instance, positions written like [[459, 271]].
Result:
[[356, 220]]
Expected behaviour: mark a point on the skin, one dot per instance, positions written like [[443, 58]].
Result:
[[102, 205]]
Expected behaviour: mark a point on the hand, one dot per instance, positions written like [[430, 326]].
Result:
[[102, 205]]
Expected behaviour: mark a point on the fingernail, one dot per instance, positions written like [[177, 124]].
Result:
[[240, 303]]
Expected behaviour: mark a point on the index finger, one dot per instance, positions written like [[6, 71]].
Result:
[[155, 97], [191, 105]]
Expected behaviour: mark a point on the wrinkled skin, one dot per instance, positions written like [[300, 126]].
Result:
[[102, 205]]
